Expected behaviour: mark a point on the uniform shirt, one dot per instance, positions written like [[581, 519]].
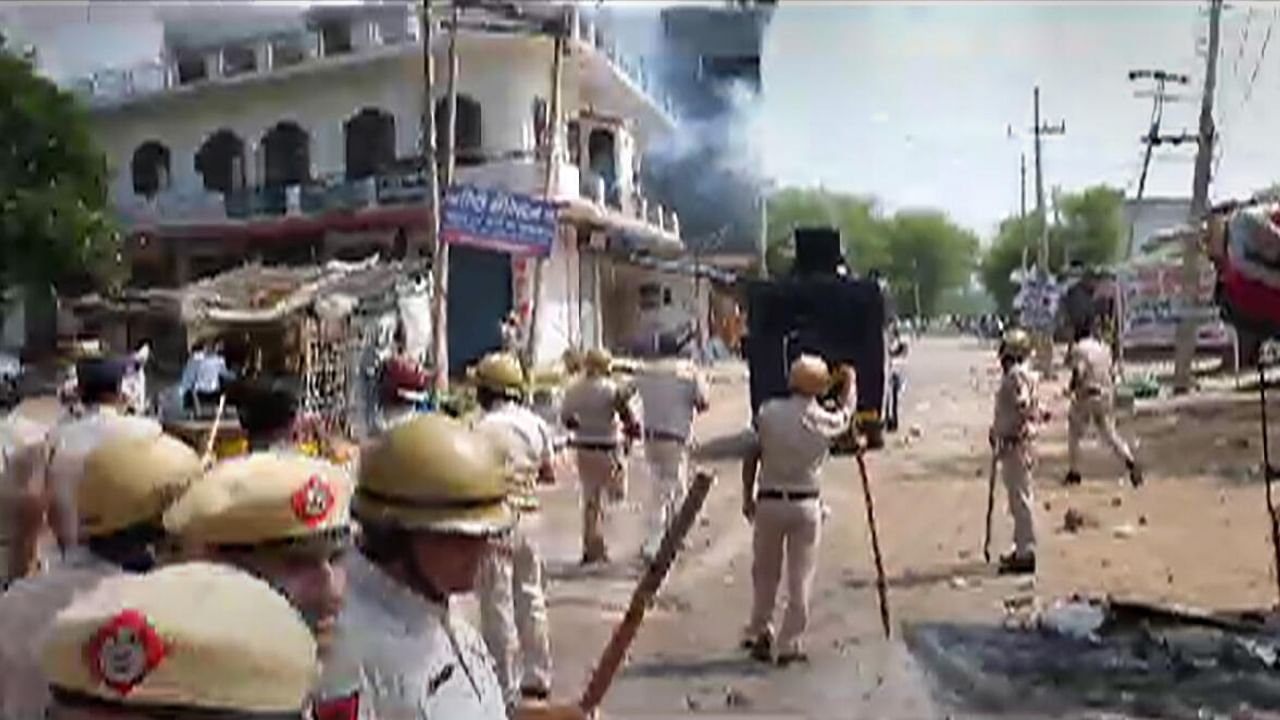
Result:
[[411, 658], [795, 434], [670, 392], [26, 612], [1015, 406], [1091, 366], [69, 446], [595, 401], [525, 441]]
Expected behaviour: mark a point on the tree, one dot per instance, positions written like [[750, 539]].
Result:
[[928, 255], [916, 246], [861, 232], [54, 230], [55, 235], [1091, 231]]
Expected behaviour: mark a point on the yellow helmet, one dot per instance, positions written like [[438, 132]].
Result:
[[809, 375], [193, 636], [265, 498], [130, 480], [434, 473], [597, 361], [1015, 343], [572, 360], [501, 373]]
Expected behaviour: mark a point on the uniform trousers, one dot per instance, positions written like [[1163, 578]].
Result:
[[786, 535], [513, 611], [1093, 409]]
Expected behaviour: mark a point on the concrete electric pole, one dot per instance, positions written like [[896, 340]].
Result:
[[1185, 342], [1152, 138], [1038, 130]]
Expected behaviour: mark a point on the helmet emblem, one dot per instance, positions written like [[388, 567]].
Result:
[[124, 651], [313, 501]]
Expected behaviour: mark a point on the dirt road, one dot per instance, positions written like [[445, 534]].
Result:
[[1196, 534]]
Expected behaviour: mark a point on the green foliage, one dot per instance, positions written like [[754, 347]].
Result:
[[54, 230], [1090, 230], [860, 230], [927, 249], [910, 246]]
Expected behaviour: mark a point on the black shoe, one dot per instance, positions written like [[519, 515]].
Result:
[[760, 648], [1135, 474], [1012, 564], [790, 658], [598, 557], [535, 694], [1072, 478]]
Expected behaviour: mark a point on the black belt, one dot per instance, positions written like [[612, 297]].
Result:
[[664, 435], [790, 495], [601, 446]]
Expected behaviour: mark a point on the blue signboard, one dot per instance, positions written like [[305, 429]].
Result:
[[495, 219]]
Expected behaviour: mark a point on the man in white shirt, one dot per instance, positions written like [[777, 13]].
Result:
[[671, 392], [1093, 403], [792, 439]]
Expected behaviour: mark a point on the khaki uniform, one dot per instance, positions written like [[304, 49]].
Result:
[[1013, 428], [69, 445], [1092, 401], [595, 402], [670, 391], [415, 659], [26, 611], [513, 601], [21, 444], [794, 436]]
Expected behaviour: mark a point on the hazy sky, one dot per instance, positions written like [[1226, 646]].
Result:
[[911, 102]]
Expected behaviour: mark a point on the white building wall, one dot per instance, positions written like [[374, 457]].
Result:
[[504, 77], [558, 321]]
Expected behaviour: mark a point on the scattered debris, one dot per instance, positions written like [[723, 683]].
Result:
[[1026, 584], [1048, 506], [964, 554], [1080, 619], [692, 703], [1124, 532], [916, 432], [1116, 501], [1142, 521], [1074, 521], [958, 583], [735, 698], [1240, 443]]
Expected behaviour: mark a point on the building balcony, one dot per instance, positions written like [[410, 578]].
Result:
[[585, 194], [616, 78]]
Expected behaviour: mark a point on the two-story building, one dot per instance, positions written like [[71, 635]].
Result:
[[298, 139]]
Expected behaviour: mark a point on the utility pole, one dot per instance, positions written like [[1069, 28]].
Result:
[[1152, 138], [1185, 343], [1022, 207], [437, 179], [1044, 341], [1039, 130], [439, 257], [549, 179]]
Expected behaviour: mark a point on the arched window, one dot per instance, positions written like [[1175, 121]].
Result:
[[469, 133], [371, 142], [601, 161], [287, 155], [150, 168], [220, 162]]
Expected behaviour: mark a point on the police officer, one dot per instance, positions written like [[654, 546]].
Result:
[[21, 448], [285, 518], [1013, 430], [267, 412], [671, 392], [187, 642], [430, 498], [594, 406], [513, 603], [790, 445], [128, 482], [48, 492], [1093, 403]]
